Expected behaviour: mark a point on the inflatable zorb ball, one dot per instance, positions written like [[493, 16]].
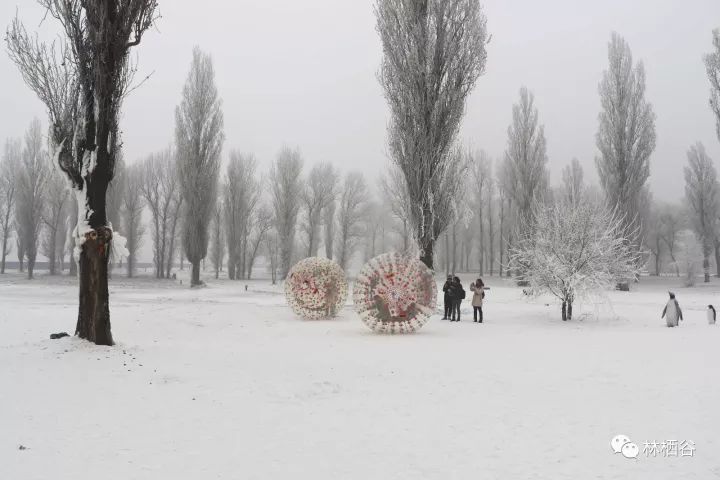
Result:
[[395, 293], [316, 288]]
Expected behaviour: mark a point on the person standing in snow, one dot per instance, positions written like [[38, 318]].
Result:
[[448, 297], [478, 289], [672, 312], [457, 294]]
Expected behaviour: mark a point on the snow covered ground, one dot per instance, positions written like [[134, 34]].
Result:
[[228, 384]]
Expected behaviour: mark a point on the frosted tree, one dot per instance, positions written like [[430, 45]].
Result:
[[701, 193], [575, 251], [273, 253], [160, 188], [433, 54], [712, 65], [131, 214], [31, 180], [199, 138], [490, 201], [317, 194], [241, 192], [54, 218], [396, 197], [350, 215], [572, 176], [82, 84], [217, 246], [262, 224], [286, 188], [9, 166], [672, 222], [626, 133], [481, 169], [526, 159], [653, 237]]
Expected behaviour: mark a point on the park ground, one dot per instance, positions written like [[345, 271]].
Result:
[[226, 383]]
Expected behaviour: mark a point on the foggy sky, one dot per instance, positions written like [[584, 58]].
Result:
[[304, 74]]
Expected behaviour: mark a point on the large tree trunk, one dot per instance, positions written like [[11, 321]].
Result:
[[93, 322], [4, 249], [195, 276], [426, 255], [717, 258]]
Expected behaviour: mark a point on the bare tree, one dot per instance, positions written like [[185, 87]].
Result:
[[115, 192], [54, 215], [394, 190], [160, 187], [573, 181], [317, 194], [526, 160], [199, 137], [131, 212], [82, 87], [626, 134], [434, 52], [273, 253], [489, 201], [351, 211], [574, 251], [653, 237], [262, 224], [9, 166], [672, 222], [712, 65], [31, 180], [481, 168], [701, 192], [286, 188], [217, 246], [241, 192]]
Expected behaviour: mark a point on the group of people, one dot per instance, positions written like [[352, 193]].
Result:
[[455, 294]]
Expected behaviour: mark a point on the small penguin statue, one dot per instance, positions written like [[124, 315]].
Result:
[[711, 315]]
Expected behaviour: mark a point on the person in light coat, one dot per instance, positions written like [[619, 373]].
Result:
[[478, 289], [672, 312]]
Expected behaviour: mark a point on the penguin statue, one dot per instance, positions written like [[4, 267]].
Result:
[[711, 315]]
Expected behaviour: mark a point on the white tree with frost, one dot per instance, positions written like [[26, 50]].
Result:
[[712, 65], [131, 213], [241, 193], [701, 193], [575, 251], [217, 246], [351, 212], [626, 134], [396, 197], [262, 224], [160, 187], [285, 188], [433, 53], [526, 160], [199, 138], [572, 176], [481, 169], [31, 180], [318, 192], [9, 167], [54, 216]]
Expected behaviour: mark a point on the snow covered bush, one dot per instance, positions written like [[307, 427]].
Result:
[[395, 293], [575, 251], [316, 288]]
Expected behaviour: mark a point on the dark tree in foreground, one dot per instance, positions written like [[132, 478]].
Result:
[[433, 53], [82, 85]]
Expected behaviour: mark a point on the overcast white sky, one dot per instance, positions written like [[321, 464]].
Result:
[[304, 74]]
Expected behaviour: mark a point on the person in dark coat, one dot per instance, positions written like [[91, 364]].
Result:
[[458, 294], [448, 297]]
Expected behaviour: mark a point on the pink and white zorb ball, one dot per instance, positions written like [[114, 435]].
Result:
[[316, 288], [395, 293]]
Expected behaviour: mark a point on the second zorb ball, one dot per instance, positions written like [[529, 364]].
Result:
[[316, 288], [395, 293]]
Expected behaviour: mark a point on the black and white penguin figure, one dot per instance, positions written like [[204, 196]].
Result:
[[711, 315]]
